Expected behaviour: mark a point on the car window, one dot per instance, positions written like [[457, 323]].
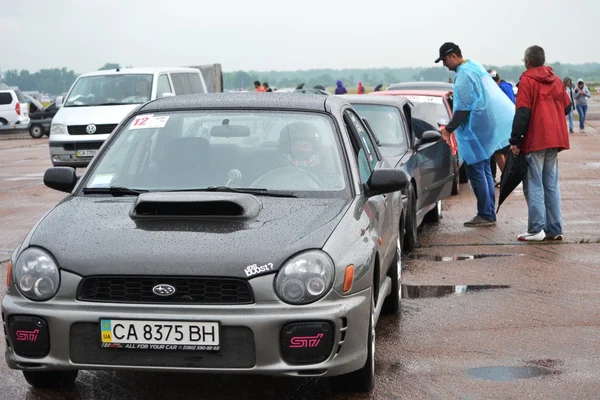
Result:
[[430, 109], [386, 123], [110, 90], [195, 150], [163, 85], [367, 158], [183, 83], [20, 96], [195, 83], [5, 98]]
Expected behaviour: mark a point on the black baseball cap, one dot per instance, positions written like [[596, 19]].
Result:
[[447, 48]]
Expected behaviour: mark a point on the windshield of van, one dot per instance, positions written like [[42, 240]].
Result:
[[101, 90]]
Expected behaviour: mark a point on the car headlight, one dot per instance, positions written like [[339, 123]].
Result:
[[58, 129], [36, 274], [305, 278]]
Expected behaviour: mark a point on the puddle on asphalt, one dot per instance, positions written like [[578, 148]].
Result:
[[503, 374], [434, 257], [429, 291]]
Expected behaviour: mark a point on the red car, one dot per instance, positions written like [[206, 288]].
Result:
[[435, 108]]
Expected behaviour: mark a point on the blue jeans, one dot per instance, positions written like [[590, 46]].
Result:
[[570, 116], [582, 110], [482, 182], [542, 193]]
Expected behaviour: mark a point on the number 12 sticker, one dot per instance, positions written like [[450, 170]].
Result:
[[147, 121]]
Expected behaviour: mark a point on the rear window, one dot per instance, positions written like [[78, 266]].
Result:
[[5, 98], [20, 96], [187, 83]]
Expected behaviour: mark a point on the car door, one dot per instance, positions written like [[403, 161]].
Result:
[[434, 162], [163, 86], [377, 207]]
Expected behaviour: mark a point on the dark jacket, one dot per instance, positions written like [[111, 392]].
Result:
[[542, 104], [340, 89]]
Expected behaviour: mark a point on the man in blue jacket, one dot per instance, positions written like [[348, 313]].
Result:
[[482, 122], [505, 86]]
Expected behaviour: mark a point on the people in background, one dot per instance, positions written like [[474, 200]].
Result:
[[499, 157], [502, 84], [258, 87], [378, 87], [539, 131], [571, 93], [266, 87], [582, 93], [340, 89], [360, 89]]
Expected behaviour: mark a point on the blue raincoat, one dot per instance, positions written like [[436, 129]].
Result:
[[491, 113]]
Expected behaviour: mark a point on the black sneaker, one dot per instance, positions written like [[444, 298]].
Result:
[[479, 221]]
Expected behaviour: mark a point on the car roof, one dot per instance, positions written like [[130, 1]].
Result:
[[421, 85], [435, 93], [384, 100], [246, 100], [126, 71]]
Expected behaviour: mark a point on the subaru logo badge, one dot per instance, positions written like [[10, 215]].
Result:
[[163, 290], [90, 129]]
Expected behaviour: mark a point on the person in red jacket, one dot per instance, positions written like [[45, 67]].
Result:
[[540, 132]]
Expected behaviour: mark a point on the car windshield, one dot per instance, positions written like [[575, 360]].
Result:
[[430, 109], [203, 150], [110, 90], [385, 121]]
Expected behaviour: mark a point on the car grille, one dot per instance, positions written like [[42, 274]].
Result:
[[236, 351], [128, 289], [82, 146], [100, 129]]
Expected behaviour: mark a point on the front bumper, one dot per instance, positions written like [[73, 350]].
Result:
[[250, 338], [65, 149]]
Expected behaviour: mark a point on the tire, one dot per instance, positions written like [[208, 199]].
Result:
[[36, 131], [456, 181], [462, 173], [434, 215], [362, 380], [410, 236], [391, 304], [50, 379]]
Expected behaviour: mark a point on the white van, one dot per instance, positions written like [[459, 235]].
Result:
[[98, 101]]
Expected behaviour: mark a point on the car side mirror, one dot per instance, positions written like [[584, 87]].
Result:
[[430, 137], [59, 101], [386, 180], [62, 179], [167, 94]]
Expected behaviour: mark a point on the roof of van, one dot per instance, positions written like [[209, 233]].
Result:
[[140, 71]]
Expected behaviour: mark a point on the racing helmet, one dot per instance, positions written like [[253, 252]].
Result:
[[300, 144]]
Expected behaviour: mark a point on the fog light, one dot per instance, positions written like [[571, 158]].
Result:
[[29, 336], [306, 342]]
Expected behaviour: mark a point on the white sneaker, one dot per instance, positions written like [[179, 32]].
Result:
[[532, 237]]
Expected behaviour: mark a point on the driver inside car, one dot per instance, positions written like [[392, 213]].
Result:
[[300, 145]]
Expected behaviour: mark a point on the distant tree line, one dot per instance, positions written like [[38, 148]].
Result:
[[56, 81]]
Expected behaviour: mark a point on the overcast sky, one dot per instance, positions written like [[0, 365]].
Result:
[[289, 34]]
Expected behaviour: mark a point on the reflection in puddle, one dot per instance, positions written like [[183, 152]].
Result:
[[434, 257], [503, 374], [419, 292]]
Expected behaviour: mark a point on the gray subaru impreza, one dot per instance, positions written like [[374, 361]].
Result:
[[234, 233]]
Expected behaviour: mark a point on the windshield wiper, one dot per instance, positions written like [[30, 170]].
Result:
[[255, 191], [115, 191]]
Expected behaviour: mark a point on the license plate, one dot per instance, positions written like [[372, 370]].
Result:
[[86, 153], [159, 335]]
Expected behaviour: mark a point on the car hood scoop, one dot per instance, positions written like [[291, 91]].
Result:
[[196, 205]]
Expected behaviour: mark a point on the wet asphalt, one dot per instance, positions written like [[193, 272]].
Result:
[[482, 315]]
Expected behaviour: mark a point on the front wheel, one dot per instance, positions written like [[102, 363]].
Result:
[[435, 215], [363, 380], [391, 304], [36, 131], [50, 379], [410, 236]]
